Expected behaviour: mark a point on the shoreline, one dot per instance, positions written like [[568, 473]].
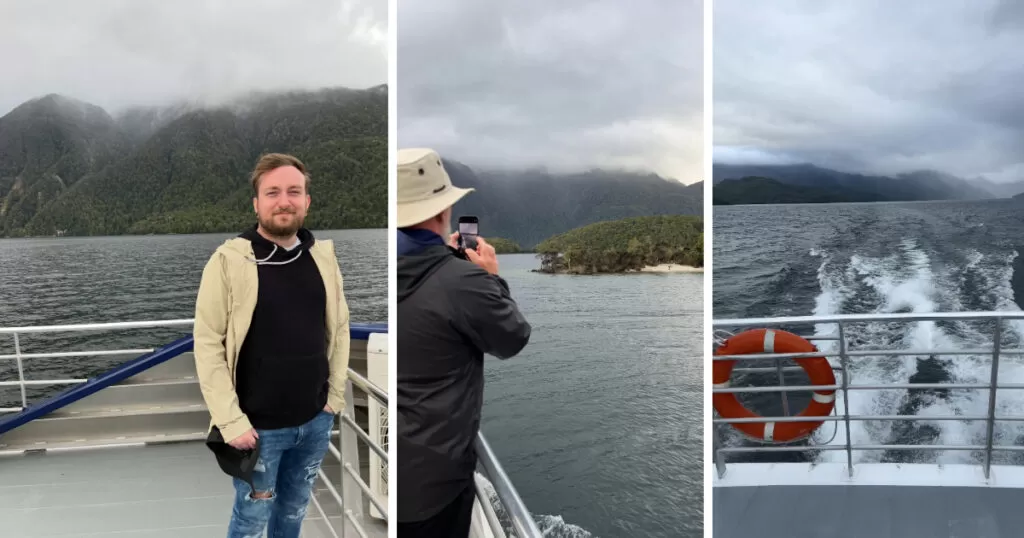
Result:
[[671, 268]]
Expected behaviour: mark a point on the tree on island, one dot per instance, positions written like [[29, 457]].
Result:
[[625, 245]]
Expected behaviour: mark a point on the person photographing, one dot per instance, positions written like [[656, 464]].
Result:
[[453, 308]]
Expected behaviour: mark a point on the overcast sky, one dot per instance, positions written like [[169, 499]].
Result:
[[136, 52], [567, 85], [882, 87]]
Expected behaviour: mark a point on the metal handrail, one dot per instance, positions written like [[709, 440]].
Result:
[[346, 417], [356, 379], [522, 521], [845, 355]]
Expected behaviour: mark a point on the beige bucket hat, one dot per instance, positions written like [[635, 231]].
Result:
[[424, 188]]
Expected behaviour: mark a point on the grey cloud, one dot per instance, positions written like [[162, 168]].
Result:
[[881, 87], [117, 53], [565, 85]]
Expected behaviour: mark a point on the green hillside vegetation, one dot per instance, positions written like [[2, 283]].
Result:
[[504, 246], [625, 245], [764, 190], [70, 167]]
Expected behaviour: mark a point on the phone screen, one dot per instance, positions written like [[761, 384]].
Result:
[[468, 228]]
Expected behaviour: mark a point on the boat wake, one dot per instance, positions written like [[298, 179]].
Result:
[[550, 526], [913, 279]]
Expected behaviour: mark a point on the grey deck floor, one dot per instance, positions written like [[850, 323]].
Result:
[[845, 511], [158, 491]]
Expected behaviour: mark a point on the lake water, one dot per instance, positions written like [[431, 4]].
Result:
[[599, 420], [136, 278]]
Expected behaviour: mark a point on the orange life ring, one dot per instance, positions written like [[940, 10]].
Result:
[[773, 341]]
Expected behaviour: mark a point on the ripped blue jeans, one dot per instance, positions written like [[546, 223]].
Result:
[[287, 468]]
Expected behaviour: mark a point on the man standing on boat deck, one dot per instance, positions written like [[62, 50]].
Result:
[[272, 350], [452, 309]]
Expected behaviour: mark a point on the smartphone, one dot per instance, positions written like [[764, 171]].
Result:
[[469, 229]]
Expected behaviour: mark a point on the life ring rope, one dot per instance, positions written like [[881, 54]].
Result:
[[818, 369]]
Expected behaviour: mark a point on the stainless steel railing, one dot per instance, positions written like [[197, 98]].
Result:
[[845, 356], [346, 454], [346, 451], [522, 522], [19, 355]]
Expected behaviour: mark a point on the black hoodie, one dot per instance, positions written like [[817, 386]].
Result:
[[450, 313], [282, 376]]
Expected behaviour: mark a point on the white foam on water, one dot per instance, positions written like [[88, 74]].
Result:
[[551, 526], [905, 281]]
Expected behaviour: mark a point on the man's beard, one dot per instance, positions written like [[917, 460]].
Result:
[[276, 230]]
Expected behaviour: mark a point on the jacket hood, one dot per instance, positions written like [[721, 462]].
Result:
[[414, 269], [267, 252]]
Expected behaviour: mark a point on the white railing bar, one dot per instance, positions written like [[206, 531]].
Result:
[[355, 524], [858, 447], [366, 438], [11, 409], [77, 354], [867, 318], [21, 370], [769, 369], [335, 452], [837, 418], [863, 353], [368, 387], [99, 326], [522, 521], [487, 507], [327, 521], [337, 498], [41, 382], [894, 386], [993, 387], [366, 489]]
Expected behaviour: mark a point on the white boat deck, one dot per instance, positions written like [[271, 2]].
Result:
[[830, 497], [170, 490]]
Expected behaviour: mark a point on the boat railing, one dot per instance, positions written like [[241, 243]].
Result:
[[845, 355], [345, 451], [19, 355], [522, 522]]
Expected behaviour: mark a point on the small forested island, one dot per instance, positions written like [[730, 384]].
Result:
[[627, 245], [504, 246]]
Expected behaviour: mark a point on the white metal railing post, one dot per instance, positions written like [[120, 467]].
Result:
[[991, 419], [719, 456], [782, 383], [351, 493], [21, 371], [844, 363]]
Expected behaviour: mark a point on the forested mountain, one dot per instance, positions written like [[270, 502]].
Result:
[[70, 166], [919, 185], [763, 190], [529, 206]]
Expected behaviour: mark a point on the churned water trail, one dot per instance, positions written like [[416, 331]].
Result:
[[886, 258]]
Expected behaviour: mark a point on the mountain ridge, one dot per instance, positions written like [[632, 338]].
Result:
[[916, 185], [70, 167], [532, 205]]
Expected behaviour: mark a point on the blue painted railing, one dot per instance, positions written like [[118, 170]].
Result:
[[358, 331]]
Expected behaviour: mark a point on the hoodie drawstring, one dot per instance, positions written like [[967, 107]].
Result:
[[265, 262]]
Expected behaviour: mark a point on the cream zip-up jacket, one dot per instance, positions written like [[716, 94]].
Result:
[[224, 307]]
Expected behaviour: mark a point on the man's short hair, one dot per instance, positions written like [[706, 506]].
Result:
[[273, 161]]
